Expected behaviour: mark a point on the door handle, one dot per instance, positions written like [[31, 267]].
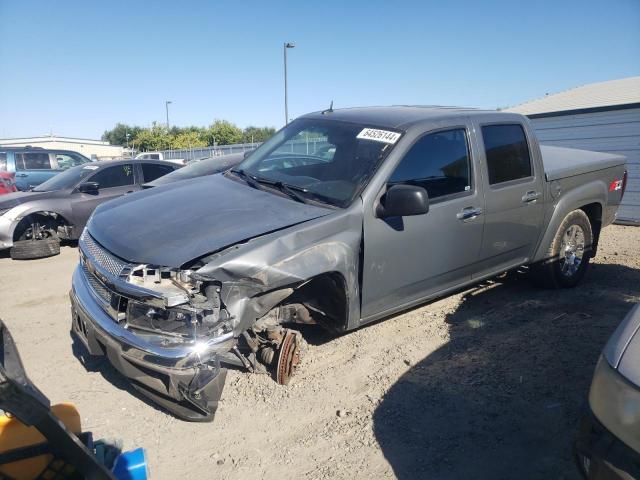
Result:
[[21, 175], [531, 196], [469, 213]]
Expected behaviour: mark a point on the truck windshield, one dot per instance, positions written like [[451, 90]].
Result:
[[323, 160], [67, 179]]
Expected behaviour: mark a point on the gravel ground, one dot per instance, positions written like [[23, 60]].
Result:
[[487, 383]]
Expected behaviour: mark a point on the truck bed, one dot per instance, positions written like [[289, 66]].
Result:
[[561, 162]]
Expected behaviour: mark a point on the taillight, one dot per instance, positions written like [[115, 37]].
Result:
[[619, 185]]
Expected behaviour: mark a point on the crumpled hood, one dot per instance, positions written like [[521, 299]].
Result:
[[176, 223], [623, 348]]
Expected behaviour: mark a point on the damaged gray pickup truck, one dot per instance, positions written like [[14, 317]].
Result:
[[341, 218]]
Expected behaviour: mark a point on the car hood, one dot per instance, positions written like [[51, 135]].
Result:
[[176, 223], [623, 348], [14, 199]]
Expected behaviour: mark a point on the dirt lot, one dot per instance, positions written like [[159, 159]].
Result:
[[487, 383]]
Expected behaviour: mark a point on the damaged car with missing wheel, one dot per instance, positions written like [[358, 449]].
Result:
[[341, 218]]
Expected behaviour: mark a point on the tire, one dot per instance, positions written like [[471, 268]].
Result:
[[567, 257], [32, 249]]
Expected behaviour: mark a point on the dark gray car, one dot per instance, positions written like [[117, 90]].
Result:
[[341, 218], [32, 223]]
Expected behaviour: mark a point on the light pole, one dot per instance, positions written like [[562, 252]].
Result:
[[127, 135], [286, 106], [166, 107]]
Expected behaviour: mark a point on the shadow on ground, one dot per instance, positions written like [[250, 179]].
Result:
[[501, 400]]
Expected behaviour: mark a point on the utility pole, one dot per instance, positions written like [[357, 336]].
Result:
[[166, 107], [286, 46]]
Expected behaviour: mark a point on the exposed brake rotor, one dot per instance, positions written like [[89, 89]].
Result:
[[288, 357]]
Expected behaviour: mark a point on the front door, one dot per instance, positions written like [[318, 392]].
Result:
[[513, 187], [112, 182], [410, 258]]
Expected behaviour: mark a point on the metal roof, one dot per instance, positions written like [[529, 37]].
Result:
[[396, 116], [624, 91]]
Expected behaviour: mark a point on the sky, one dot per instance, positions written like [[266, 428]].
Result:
[[75, 68]]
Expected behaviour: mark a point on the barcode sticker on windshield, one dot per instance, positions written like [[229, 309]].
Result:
[[379, 135]]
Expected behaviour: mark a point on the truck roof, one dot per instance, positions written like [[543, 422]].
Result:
[[400, 116]]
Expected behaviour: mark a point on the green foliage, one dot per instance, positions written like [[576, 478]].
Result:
[[118, 135], [154, 138], [188, 140], [220, 132], [257, 134]]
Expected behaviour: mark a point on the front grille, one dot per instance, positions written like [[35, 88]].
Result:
[[100, 257], [97, 286]]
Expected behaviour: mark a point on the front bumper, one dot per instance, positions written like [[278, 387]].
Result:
[[602, 456], [176, 378]]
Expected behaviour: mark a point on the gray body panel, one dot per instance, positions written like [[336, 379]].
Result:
[[562, 162]]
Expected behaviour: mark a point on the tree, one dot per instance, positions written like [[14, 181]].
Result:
[[118, 135], [154, 138], [190, 139], [222, 132], [257, 134]]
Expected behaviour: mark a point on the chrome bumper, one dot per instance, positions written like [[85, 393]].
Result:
[[187, 381]]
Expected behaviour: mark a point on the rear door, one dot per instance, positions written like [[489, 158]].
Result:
[[33, 168], [113, 181], [513, 186]]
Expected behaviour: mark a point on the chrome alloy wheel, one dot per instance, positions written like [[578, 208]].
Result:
[[571, 250]]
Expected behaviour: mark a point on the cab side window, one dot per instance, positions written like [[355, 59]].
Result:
[[3, 162], [507, 153], [439, 162], [151, 171], [32, 161], [117, 176], [65, 160]]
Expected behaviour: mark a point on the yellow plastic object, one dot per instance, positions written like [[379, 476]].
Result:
[[14, 434]]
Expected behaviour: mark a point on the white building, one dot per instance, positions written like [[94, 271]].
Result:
[[95, 149], [600, 116]]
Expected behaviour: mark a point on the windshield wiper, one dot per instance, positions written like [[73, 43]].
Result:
[[250, 179], [291, 190]]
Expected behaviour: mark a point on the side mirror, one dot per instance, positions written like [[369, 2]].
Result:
[[89, 187], [403, 201], [247, 153]]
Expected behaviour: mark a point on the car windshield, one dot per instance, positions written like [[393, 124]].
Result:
[[323, 160], [67, 179]]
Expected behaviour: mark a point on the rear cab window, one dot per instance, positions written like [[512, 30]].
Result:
[[440, 162], [507, 153], [32, 161]]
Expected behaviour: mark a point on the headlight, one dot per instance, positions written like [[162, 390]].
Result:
[[185, 324], [616, 403]]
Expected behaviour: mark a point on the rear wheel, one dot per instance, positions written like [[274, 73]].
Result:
[[568, 255]]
